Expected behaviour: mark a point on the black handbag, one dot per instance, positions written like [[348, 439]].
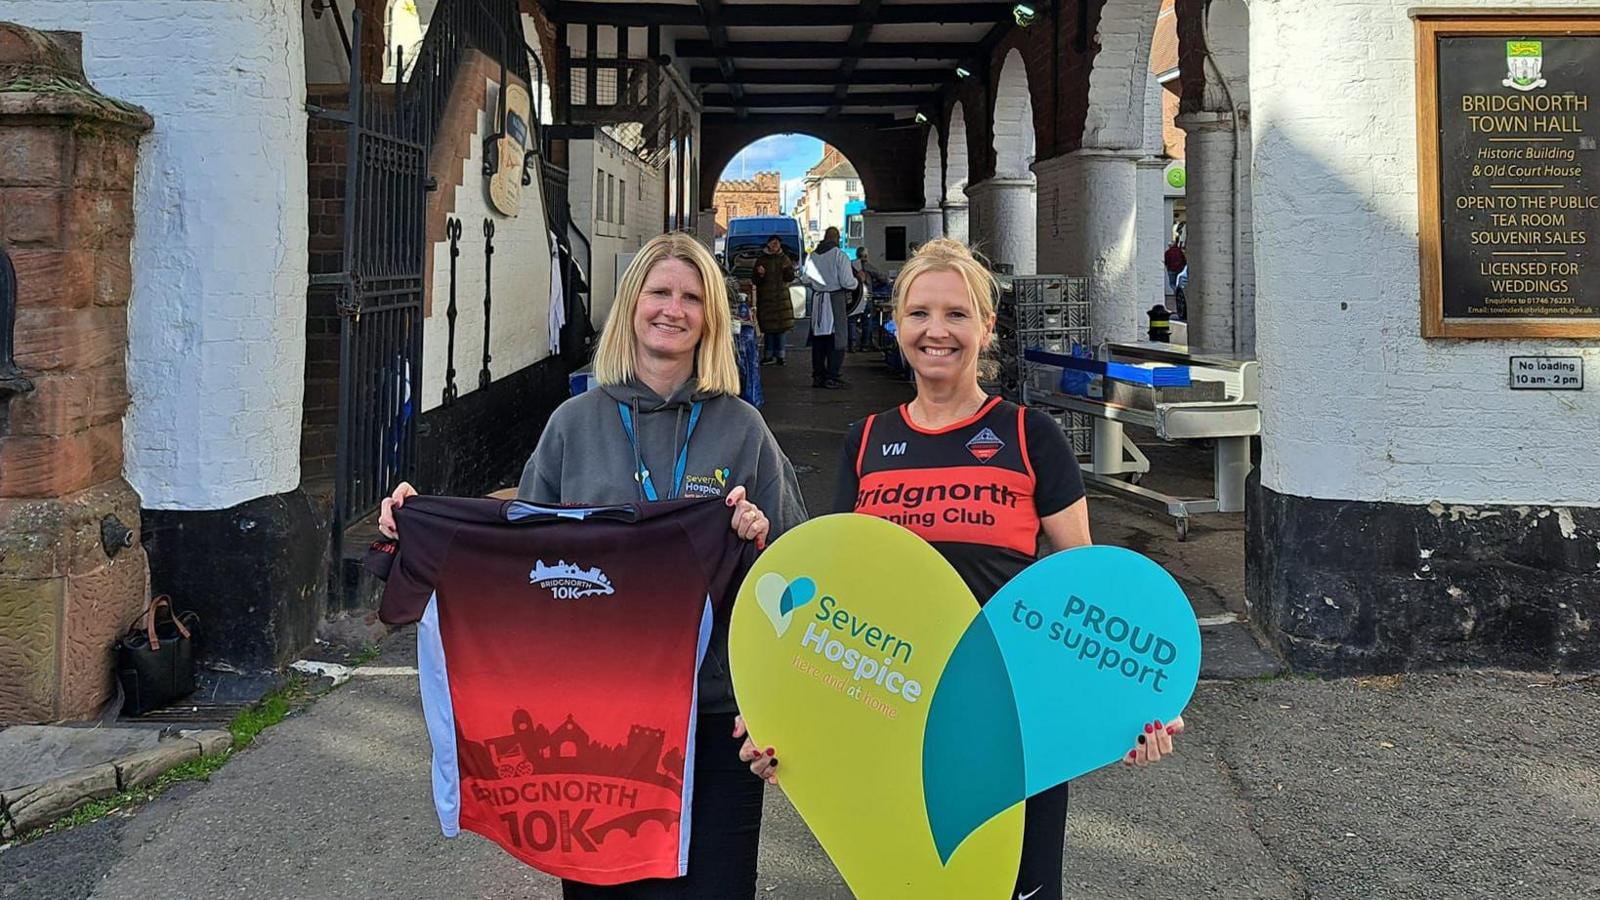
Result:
[[155, 660]]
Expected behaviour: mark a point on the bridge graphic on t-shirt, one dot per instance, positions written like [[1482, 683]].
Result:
[[532, 750]]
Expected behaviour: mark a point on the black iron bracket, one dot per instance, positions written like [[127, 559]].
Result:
[[452, 229], [488, 301]]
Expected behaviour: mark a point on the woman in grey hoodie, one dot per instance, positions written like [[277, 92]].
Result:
[[665, 353]]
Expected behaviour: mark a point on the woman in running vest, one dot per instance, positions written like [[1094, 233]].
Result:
[[1024, 478]]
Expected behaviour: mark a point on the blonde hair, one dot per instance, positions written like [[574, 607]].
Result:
[[946, 255], [615, 358]]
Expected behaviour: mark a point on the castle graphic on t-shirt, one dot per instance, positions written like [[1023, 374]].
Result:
[[532, 749]]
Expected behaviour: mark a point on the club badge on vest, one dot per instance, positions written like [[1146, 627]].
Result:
[[713, 485], [985, 444]]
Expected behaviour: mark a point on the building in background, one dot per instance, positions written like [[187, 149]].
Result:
[[758, 196], [829, 187]]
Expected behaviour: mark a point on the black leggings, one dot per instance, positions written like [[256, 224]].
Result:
[[1044, 838], [724, 829]]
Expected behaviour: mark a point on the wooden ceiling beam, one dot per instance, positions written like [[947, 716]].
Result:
[[779, 15], [697, 49]]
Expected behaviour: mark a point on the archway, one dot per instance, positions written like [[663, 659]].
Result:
[[1221, 282], [955, 175], [1004, 208], [1014, 139], [402, 37], [1096, 195]]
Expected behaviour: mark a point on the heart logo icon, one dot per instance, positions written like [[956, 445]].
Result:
[[722, 475], [912, 724], [779, 598]]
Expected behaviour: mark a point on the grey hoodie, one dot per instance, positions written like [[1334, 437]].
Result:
[[584, 456]]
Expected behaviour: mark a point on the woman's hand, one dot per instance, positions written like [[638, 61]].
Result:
[[1155, 743], [761, 271], [764, 763], [748, 520], [391, 503]]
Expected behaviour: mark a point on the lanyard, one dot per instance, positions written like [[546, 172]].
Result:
[[643, 474]]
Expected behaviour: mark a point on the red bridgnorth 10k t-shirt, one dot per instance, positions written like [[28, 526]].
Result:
[[558, 650]]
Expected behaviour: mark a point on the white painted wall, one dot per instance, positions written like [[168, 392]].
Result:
[[644, 203], [1356, 404], [519, 334], [216, 320]]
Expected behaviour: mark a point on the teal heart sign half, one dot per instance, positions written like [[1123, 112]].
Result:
[[1089, 644]]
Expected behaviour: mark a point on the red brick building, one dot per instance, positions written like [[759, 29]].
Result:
[[758, 196]]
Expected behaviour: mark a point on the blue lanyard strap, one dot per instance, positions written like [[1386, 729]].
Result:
[[643, 474]]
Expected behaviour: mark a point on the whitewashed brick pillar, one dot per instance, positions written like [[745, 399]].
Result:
[[1087, 226], [1152, 229], [955, 220], [1004, 222], [1218, 322]]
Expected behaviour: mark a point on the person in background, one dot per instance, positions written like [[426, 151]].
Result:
[[1175, 261], [867, 278], [667, 390], [774, 310], [746, 338], [828, 273]]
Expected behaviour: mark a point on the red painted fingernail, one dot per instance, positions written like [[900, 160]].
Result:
[[1171, 730], [1133, 754], [1149, 729], [771, 752], [1158, 723]]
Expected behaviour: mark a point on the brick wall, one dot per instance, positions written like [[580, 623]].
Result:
[[326, 167], [758, 196]]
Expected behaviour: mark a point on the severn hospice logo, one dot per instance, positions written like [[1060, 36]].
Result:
[[779, 597]]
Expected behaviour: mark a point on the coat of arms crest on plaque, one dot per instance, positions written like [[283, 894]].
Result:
[[1524, 62]]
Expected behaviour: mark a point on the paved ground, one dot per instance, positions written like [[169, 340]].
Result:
[[1479, 784]]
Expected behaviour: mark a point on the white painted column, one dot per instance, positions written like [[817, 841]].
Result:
[[955, 220], [1213, 308], [1151, 223], [1004, 222], [932, 223], [216, 319], [1087, 214], [706, 227]]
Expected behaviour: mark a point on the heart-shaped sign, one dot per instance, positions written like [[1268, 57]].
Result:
[[843, 691], [912, 725]]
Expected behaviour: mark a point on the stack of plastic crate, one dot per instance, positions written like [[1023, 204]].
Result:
[[1042, 312]]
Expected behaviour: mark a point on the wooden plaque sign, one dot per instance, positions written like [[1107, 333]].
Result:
[[1508, 130]]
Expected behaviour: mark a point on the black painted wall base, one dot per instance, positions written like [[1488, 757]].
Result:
[[1346, 587], [255, 574], [480, 442]]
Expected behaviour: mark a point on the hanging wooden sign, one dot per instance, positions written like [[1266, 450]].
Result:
[[1508, 131]]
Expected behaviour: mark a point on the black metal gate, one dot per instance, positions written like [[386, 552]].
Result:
[[379, 291]]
